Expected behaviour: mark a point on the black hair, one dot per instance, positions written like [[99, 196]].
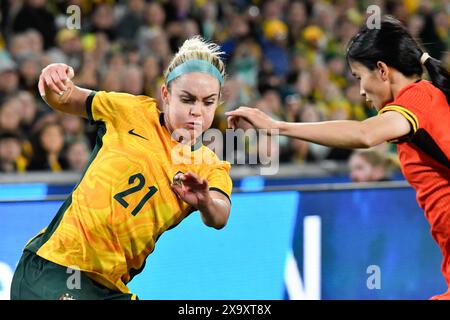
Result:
[[392, 44], [10, 135]]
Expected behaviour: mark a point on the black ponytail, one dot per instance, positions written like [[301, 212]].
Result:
[[439, 76], [392, 44]]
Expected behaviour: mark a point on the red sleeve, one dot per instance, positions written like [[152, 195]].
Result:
[[413, 103]]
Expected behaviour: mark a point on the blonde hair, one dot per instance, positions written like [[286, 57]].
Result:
[[375, 158], [197, 48]]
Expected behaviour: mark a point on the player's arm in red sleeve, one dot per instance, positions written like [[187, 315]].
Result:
[[338, 134], [59, 92]]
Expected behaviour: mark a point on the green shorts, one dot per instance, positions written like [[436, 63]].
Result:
[[38, 279]]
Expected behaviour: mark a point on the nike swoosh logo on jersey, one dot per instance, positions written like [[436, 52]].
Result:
[[135, 134]]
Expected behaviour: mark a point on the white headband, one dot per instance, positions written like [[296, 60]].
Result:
[[424, 57]]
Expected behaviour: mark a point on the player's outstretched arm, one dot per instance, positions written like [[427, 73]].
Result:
[[214, 207], [59, 92], [338, 134]]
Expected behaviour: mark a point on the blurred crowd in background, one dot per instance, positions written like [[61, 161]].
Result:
[[284, 57]]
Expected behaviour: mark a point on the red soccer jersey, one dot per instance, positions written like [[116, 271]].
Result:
[[424, 156]]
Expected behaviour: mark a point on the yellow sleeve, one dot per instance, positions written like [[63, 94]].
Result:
[[219, 178], [112, 106]]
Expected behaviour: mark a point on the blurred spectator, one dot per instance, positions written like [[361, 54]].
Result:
[[180, 16], [442, 23], [133, 80], [47, 149], [35, 41], [293, 106], [271, 104], [273, 9], [11, 159], [77, 155], [300, 152], [274, 46], [431, 38], [415, 25], [231, 94], [368, 165], [10, 114], [208, 18], [29, 110], [103, 21], [87, 76], [115, 60], [237, 29], [303, 85], [285, 57], [131, 21], [132, 55], [19, 45], [397, 9], [69, 48], [346, 28], [73, 127], [296, 20], [98, 45], [152, 76], [158, 46], [178, 10], [111, 81], [335, 63], [244, 67], [29, 71], [9, 78], [325, 16], [154, 20], [28, 43], [304, 151], [34, 15], [312, 44]]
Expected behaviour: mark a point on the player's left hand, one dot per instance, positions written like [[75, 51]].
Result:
[[192, 189]]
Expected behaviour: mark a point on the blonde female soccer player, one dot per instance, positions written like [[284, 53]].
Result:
[[413, 112], [148, 172]]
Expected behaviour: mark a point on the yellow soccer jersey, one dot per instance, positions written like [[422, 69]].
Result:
[[123, 202]]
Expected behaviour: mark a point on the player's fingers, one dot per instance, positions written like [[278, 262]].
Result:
[[190, 177], [58, 82], [195, 183], [70, 72], [231, 121], [62, 74], [55, 80], [231, 113], [239, 114], [194, 186], [49, 82], [41, 87], [177, 189], [190, 185], [240, 111]]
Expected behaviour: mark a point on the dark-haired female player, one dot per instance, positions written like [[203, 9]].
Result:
[[413, 113]]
